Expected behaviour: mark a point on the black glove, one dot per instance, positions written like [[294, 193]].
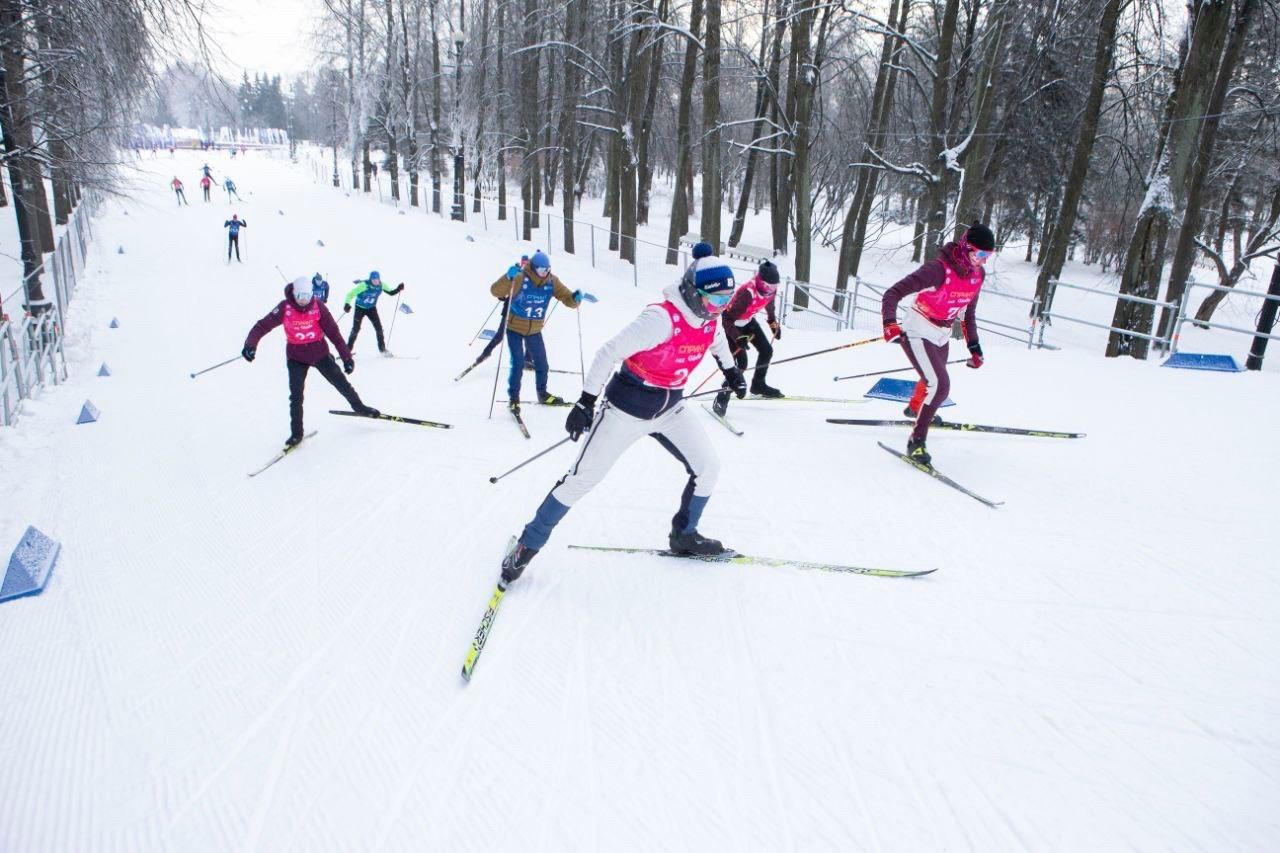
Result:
[[399, 288], [349, 365], [776, 329], [248, 353], [346, 307], [735, 381], [581, 416]]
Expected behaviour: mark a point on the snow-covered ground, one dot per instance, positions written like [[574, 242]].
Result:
[[221, 662]]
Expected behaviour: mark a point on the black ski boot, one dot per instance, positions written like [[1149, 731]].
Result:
[[546, 398], [761, 388], [913, 414], [514, 406], [368, 411], [721, 404], [514, 562], [293, 440], [694, 543], [916, 452]]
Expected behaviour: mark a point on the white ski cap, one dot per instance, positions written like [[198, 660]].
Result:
[[302, 288]]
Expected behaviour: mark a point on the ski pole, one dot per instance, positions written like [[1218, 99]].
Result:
[[876, 339], [482, 325], [882, 372], [282, 275], [216, 366], [497, 371], [535, 456], [582, 364], [392, 330]]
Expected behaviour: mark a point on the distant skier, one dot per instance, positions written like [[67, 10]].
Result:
[[177, 191], [205, 183], [307, 322], [945, 287], [530, 293], [658, 350], [230, 186], [320, 288], [742, 328], [206, 171], [365, 296], [234, 224]]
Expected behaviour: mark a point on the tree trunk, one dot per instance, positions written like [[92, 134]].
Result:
[[1166, 187], [573, 24], [757, 128], [711, 133], [409, 94], [500, 156], [528, 118], [780, 163], [933, 215], [1184, 252], [679, 224], [15, 128], [808, 70], [437, 168], [1264, 230], [393, 166], [1073, 188], [978, 151], [854, 234], [645, 168]]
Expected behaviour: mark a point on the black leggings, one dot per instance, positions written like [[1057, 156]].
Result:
[[372, 314], [740, 336], [328, 368], [233, 240]]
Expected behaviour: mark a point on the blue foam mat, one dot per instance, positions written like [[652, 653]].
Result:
[[30, 565], [897, 389], [1204, 361]]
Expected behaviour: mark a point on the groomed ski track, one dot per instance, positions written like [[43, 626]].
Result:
[[272, 664]]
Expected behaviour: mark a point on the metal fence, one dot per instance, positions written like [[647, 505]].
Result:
[[827, 308], [31, 344], [1209, 324]]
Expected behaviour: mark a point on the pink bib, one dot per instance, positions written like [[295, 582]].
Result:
[[669, 364], [762, 294], [943, 304], [302, 325]]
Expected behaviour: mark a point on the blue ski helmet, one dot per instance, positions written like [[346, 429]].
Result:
[[540, 261], [373, 276]]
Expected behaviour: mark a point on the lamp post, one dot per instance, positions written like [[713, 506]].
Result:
[[459, 157]]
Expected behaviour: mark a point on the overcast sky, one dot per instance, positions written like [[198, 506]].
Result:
[[264, 35]]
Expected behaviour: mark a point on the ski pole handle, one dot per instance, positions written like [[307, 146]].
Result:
[[216, 366], [536, 456]]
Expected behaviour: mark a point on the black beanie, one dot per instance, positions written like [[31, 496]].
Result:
[[980, 237], [769, 272]]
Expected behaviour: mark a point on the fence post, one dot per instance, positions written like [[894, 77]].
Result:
[[1176, 330], [593, 244], [1035, 317], [853, 310]]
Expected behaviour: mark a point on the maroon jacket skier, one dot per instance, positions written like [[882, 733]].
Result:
[[742, 328], [307, 322], [945, 287]]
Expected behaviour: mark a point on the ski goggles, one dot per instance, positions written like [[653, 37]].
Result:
[[542, 272], [717, 300], [982, 254]]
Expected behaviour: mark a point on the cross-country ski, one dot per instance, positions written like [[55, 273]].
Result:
[[749, 559], [1001, 430], [400, 419], [289, 448]]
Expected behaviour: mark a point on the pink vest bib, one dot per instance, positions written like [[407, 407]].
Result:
[[762, 294], [943, 304], [302, 325], [669, 364]]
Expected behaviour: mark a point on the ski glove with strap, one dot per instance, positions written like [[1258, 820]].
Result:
[[349, 365], [581, 416], [892, 332], [735, 381], [398, 289], [975, 355], [581, 296], [346, 308], [776, 329], [247, 353]]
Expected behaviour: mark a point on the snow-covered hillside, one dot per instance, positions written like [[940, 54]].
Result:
[[272, 663]]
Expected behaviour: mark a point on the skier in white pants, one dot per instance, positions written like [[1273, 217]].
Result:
[[658, 350]]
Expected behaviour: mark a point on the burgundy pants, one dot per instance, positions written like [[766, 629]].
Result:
[[930, 361]]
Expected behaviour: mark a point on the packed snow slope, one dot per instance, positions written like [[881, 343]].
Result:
[[222, 662]]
